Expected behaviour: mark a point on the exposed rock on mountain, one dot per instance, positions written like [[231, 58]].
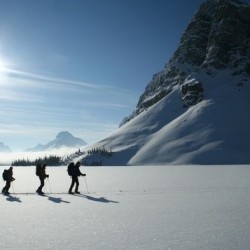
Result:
[[217, 38], [196, 110]]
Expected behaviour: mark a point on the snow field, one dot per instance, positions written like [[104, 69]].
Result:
[[167, 207]]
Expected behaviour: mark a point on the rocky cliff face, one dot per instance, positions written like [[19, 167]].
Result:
[[196, 110], [217, 38]]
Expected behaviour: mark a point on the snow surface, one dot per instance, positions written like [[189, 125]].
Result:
[[213, 131], [167, 207]]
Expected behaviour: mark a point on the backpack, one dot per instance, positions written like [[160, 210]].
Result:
[[71, 168], [5, 175], [38, 169]]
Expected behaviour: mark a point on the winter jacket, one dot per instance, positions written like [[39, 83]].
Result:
[[76, 171], [41, 173]]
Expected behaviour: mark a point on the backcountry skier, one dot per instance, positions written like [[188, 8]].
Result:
[[75, 172], [41, 173], [8, 177]]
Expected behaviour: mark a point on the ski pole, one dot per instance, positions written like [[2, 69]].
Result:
[[13, 188], [86, 184], [49, 185], [46, 185]]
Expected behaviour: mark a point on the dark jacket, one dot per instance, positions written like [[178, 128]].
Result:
[[42, 173], [76, 171], [10, 175]]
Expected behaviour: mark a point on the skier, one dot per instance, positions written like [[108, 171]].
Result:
[[8, 177], [41, 173], [75, 173]]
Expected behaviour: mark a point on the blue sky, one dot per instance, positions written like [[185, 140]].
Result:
[[80, 65]]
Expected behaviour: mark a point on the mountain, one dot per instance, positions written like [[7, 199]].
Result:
[[62, 140], [195, 110], [4, 148]]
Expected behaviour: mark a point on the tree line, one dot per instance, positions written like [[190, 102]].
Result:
[[100, 151], [51, 160]]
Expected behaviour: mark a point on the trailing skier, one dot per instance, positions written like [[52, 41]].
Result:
[[41, 173], [70, 169], [8, 177], [74, 172]]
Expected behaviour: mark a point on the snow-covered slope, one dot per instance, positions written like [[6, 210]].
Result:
[[196, 110], [213, 131], [63, 140]]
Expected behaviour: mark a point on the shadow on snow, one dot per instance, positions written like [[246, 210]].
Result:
[[100, 199], [55, 199], [12, 198]]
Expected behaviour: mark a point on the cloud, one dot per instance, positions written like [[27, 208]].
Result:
[[17, 96], [34, 108], [23, 136], [105, 104], [28, 76], [40, 128], [29, 87]]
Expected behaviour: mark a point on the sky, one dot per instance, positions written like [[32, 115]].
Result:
[[80, 66]]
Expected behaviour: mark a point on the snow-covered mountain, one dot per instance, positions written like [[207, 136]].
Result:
[[195, 110], [4, 148], [63, 139]]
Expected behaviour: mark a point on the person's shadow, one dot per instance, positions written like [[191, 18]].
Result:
[[56, 199], [12, 198], [100, 199]]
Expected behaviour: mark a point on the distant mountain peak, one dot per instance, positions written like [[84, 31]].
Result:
[[63, 139], [64, 134]]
